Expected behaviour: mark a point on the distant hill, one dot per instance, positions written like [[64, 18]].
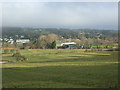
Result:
[[33, 33]]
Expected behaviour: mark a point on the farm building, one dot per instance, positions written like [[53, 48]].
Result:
[[68, 45], [22, 41]]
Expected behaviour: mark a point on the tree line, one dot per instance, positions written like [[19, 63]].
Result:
[[47, 38]]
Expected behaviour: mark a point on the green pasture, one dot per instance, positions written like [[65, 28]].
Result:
[[61, 68]]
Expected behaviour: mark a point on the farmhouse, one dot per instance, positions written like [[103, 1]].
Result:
[[22, 41], [11, 41]]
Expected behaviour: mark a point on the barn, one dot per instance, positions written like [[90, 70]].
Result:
[[68, 45]]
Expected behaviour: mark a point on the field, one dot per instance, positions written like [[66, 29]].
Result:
[[62, 68]]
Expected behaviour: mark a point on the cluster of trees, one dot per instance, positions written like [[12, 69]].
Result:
[[49, 41], [15, 53], [34, 33], [44, 38], [45, 42], [96, 41]]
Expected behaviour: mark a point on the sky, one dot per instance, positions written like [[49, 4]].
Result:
[[92, 15]]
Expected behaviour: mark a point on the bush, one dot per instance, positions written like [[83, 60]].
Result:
[[99, 49], [12, 50], [6, 51], [17, 54], [86, 50], [19, 57], [115, 49]]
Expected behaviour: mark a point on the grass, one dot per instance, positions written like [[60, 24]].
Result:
[[62, 68]]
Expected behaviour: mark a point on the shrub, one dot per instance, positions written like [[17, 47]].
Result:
[[17, 54], [6, 51], [19, 57], [86, 50], [12, 50]]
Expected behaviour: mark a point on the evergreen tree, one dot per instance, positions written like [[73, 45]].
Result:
[[53, 44]]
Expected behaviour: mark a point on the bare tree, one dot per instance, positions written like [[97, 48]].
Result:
[[46, 41]]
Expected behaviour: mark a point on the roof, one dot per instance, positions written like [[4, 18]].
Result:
[[67, 43], [22, 40]]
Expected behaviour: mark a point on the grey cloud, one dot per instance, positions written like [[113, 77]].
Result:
[[73, 16]]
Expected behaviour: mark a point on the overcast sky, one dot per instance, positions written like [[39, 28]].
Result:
[[93, 15]]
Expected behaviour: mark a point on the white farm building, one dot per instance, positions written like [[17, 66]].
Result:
[[68, 43], [22, 41]]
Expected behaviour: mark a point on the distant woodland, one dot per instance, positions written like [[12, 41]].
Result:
[[49, 37]]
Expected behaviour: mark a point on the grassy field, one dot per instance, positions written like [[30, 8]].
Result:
[[55, 68]]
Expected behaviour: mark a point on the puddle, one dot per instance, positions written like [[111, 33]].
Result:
[[3, 62]]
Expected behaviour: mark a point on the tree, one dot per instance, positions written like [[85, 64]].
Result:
[[42, 42], [53, 44], [46, 41], [6, 51], [52, 37]]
